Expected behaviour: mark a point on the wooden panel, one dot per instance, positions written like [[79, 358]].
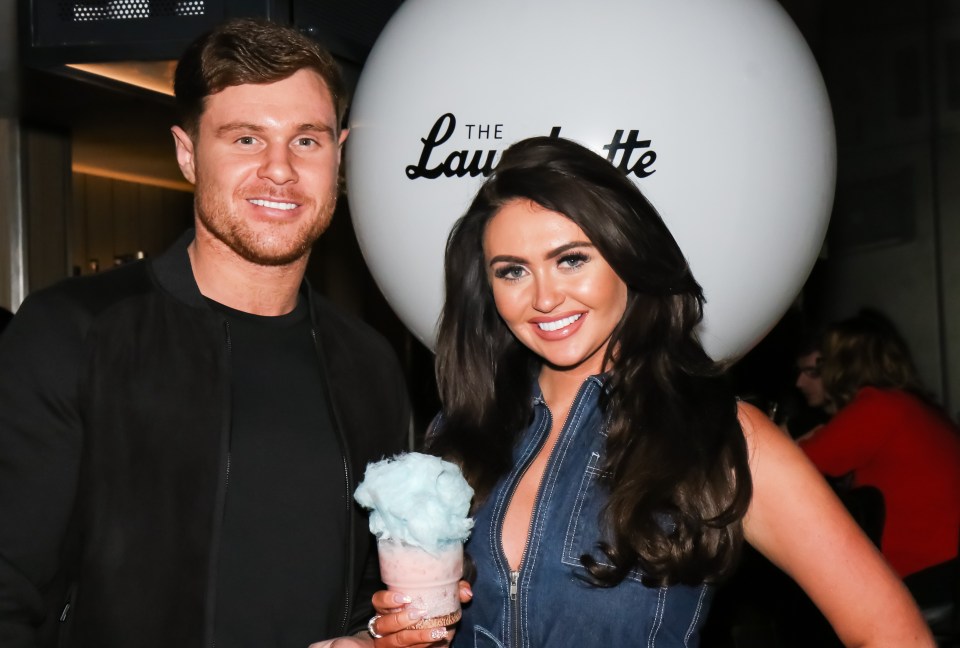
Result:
[[99, 230], [114, 220], [177, 216], [47, 187], [124, 209], [149, 220], [77, 240]]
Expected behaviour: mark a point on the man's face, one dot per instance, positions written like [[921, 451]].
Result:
[[809, 381], [264, 161]]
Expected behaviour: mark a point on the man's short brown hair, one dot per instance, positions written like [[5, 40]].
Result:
[[249, 51]]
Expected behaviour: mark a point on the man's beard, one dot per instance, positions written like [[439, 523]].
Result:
[[281, 244]]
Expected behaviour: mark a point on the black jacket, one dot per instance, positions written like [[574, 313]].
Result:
[[114, 425]]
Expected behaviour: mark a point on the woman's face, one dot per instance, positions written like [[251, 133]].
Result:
[[552, 288]]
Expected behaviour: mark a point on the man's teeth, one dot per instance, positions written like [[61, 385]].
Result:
[[273, 205], [558, 324]]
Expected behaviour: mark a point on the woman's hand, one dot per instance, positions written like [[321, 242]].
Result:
[[392, 623], [390, 626], [395, 615]]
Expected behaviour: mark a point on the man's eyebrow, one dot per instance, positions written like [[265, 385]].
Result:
[[316, 127], [238, 126], [256, 128]]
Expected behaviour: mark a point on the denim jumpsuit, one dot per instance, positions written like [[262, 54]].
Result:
[[547, 603]]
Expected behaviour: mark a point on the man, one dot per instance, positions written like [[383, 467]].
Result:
[[180, 438], [811, 409], [809, 381]]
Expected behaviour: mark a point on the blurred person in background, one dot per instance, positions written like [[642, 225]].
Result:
[[800, 415], [888, 434], [809, 380]]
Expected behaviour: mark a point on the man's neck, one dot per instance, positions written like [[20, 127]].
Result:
[[231, 280]]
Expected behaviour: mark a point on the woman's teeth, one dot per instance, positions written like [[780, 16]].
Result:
[[558, 324]]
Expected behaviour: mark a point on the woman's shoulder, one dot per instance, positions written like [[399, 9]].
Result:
[[763, 437], [753, 421], [748, 415]]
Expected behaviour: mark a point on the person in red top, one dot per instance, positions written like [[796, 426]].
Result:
[[889, 435]]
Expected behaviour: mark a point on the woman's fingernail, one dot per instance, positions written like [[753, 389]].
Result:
[[466, 592], [438, 633], [401, 598], [416, 613]]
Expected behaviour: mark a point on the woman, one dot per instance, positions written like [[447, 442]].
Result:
[[887, 434], [616, 476]]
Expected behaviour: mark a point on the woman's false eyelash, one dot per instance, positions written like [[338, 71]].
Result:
[[509, 272], [514, 272], [574, 259]]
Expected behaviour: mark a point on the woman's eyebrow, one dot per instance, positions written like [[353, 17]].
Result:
[[552, 254]]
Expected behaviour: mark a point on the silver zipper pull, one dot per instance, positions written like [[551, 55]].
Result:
[[514, 577]]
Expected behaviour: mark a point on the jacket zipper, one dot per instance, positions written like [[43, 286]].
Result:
[[215, 549], [514, 575], [62, 631], [348, 602], [514, 604], [348, 486], [68, 601]]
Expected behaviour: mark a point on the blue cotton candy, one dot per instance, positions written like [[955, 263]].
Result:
[[418, 499]]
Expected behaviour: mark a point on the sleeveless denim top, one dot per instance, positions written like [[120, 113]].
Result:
[[548, 603]]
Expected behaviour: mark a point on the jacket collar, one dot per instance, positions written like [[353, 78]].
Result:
[[174, 273], [600, 380]]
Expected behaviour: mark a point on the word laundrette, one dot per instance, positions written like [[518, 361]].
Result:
[[462, 162]]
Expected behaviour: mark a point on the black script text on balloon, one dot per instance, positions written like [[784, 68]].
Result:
[[464, 162], [457, 163]]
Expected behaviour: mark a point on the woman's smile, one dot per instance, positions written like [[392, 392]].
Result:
[[556, 329]]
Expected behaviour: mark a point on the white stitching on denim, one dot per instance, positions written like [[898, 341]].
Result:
[[574, 522], [551, 481], [535, 542], [568, 558], [696, 615], [486, 633], [499, 509], [590, 475], [658, 617]]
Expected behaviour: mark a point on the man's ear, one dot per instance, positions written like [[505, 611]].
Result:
[[343, 138], [185, 156]]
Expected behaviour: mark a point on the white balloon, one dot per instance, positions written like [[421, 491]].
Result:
[[731, 128]]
